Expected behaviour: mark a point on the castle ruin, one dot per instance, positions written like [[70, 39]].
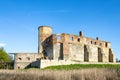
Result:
[[63, 49]]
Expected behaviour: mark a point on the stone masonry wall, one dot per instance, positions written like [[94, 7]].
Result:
[[46, 63], [22, 60], [72, 47], [93, 53], [76, 52]]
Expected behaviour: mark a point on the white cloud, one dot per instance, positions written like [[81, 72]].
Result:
[[2, 44]]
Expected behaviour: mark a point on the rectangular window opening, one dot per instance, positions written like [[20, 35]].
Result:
[[78, 39], [71, 38], [58, 38]]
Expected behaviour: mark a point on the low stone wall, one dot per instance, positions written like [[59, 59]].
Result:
[[21, 65], [46, 63]]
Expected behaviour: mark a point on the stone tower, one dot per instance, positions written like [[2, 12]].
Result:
[[43, 33]]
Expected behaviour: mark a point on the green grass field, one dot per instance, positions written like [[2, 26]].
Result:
[[83, 66]]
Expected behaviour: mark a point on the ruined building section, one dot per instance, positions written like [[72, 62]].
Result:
[[24, 60], [64, 49], [73, 47]]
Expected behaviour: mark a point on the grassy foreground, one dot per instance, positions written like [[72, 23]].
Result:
[[65, 72], [83, 66], [80, 74]]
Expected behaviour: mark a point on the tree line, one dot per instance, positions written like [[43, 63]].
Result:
[[5, 60]]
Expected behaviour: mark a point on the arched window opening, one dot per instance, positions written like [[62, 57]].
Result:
[[28, 58], [91, 42], [78, 39], [20, 58], [95, 43], [100, 44], [100, 55], [106, 44]]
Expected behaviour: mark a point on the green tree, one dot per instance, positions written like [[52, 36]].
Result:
[[4, 57]]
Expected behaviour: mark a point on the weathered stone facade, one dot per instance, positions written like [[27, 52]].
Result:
[[23, 60], [66, 49], [72, 47]]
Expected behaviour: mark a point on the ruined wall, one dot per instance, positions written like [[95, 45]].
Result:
[[72, 47], [112, 57], [93, 53], [23, 60], [57, 51], [76, 52], [49, 52], [48, 48]]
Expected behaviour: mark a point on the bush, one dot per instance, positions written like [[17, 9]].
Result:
[[4, 57], [5, 60]]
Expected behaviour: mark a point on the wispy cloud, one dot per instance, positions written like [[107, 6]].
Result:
[[2, 44]]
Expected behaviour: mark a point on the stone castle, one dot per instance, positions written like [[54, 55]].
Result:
[[63, 49]]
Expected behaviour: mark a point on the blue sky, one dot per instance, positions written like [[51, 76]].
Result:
[[19, 21]]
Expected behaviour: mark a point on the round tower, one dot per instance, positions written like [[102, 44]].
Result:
[[43, 33]]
